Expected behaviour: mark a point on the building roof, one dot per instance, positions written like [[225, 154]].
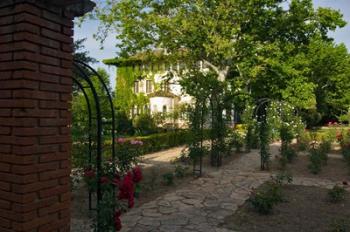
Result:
[[163, 94], [77, 7]]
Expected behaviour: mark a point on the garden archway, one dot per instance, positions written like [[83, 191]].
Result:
[[87, 80]]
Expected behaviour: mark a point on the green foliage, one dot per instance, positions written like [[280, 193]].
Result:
[[80, 129], [160, 141], [262, 202], [304, 141], [270, 194], [344, 118], [336, 194], [144, 124], [124, 124], [325, 147], [329, 70], [237, 140], [316, 160], [180, 171], [128, 154], [168, 178], [80, 53], [311, 118], [264, 146]]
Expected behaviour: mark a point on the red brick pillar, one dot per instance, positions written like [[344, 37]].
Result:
[[35, 90]]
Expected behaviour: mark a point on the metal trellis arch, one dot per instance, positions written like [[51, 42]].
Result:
[[86, 79]]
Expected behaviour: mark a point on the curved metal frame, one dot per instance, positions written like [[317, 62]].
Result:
[[79, 68]]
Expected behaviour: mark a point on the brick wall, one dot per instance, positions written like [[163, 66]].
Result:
[[35, 90]]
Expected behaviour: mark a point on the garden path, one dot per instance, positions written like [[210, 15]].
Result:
[[161, 157], [203, 205]]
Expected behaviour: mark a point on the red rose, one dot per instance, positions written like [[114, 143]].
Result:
[[117, 221], [116, 180], [104, 180], [137, 174], [126, 188], [89, 173], [131, 202]]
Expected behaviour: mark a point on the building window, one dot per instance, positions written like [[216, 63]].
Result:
[[136, 87], [148, 86], [164, 109], [165, 86]]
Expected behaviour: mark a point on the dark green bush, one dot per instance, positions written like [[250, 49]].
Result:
[[180, 171], [315, 161], [144, 124], [123, 123], [325, 148], [237, 141], [336, 194], [270, 194], [161, 141], [168, 178], [263, 200]]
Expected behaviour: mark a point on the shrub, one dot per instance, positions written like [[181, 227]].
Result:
[[144, 124], [168, 178], [325, 148], [315, 161], [336, 194], [123, 123], [180, 171], [237, 141], [288, 154], [261, 202], [304, 140], [264, 199]]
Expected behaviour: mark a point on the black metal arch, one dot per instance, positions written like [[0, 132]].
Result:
[[86, 74]]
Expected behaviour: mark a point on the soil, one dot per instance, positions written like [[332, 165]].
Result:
[[306, 209], [335, 170]]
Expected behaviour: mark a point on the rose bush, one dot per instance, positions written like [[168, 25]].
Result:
[[119, 181]]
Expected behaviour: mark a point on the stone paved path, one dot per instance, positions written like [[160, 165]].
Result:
[[203, 205]]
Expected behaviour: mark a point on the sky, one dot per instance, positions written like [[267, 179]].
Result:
[[88, 28]]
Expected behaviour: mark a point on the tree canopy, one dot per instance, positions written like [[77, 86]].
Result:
[[267, 48]]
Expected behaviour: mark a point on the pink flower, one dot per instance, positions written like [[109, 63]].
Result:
[[121, 140], [136, 142]]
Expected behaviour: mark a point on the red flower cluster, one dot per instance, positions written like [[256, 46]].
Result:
[[137, 174], [126, 190], [104, 180], [89, 173], [117, 221]]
